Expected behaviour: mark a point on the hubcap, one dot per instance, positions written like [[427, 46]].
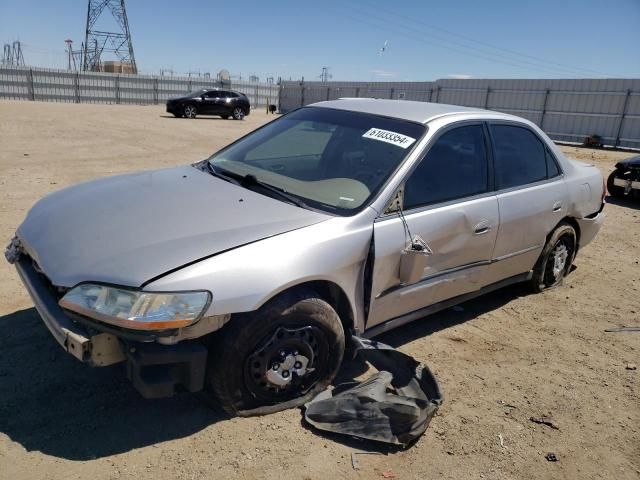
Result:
[[281, 374], [189, 112], [238, 114], [287, 364], [560, 255]]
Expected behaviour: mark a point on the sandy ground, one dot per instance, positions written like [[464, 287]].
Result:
[[504, 358]]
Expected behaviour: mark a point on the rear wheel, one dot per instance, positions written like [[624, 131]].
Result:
[[190, 111], [284, 353], [614, 190], [238, 113], [556, 258]]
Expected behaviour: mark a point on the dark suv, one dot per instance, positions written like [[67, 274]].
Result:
[[225, 103]]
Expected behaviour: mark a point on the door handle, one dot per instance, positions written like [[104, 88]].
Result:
[[557, 206], [482, 227]]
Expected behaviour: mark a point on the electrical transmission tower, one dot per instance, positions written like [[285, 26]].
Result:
[[12, 54], [325, 75], [97, 42]]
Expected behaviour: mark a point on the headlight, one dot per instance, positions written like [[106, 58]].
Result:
[[135, 309]]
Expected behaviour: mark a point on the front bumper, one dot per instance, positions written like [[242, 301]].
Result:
[[99, 350], [154, 370]]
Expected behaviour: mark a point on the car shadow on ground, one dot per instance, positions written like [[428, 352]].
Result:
[[627, 202], [197, 118], [52, 403]]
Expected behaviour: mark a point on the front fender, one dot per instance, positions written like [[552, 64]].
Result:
[[243, 279]]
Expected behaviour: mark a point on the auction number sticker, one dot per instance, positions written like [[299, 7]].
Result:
[[393, 138]]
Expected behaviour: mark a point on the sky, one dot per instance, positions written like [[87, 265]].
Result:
[[425, 40]]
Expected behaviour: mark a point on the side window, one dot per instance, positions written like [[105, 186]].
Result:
[[552, 166], [520, 157], [232, 95], [211, 94], [454, 167]]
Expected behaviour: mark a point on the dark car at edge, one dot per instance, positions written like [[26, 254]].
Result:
[[223, 103], [624, 181]]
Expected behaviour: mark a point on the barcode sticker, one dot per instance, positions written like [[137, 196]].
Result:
[[393, 138]]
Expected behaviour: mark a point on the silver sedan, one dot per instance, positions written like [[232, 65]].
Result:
[[246, 273]]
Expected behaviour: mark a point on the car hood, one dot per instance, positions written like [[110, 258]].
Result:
[[132, 228], [629, 162]]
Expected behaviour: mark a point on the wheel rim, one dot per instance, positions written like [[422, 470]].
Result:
[[189, 111], [238, 114], [558, 260], [287, 364]]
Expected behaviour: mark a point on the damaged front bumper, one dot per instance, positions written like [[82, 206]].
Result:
[[98, 350], [155, 370]]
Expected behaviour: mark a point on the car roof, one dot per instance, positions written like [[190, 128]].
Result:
[[421, 112]]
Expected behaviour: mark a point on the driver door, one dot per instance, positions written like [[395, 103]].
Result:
[[449, 204], [210, 102]]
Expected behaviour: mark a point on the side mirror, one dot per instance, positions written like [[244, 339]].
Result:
[[413, 261]]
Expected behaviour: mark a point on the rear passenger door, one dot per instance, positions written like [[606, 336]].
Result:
[[532, 197]]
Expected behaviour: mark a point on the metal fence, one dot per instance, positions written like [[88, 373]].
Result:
[[567, 110], [23, 83]]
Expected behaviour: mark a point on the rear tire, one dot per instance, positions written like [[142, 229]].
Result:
[[556, 258], [614, 190], [284, 353]]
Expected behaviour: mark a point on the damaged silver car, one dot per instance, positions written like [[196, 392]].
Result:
[[247, 273]]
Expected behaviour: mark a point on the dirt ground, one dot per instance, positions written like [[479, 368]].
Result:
[[506, 357]]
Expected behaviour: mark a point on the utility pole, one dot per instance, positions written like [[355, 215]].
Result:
[[97, 42], [70, 57]]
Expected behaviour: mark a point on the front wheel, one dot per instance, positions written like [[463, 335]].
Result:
[[280, 356], [238, 113], [190, 111], [556, 258]]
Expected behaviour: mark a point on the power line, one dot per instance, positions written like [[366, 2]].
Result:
[[481, 42], [403, 31], [453, 45]]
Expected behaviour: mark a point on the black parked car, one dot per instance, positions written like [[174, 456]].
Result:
[[224, 103], [625, 179]]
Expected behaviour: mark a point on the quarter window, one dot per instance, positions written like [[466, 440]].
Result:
[[454, 167], [520, 157], [552, 166]]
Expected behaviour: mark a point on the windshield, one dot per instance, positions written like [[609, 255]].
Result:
[[334, 160]]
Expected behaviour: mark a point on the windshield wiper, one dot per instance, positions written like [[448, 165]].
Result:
[[216, 172], [252, 180]]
